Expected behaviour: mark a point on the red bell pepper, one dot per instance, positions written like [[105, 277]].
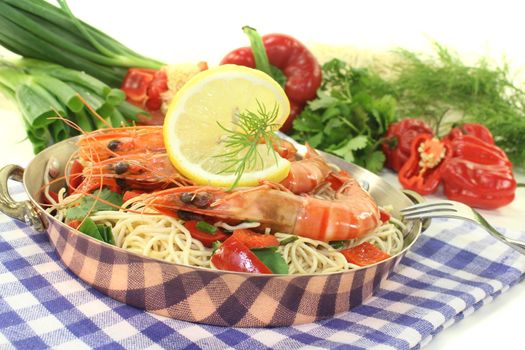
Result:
[[398, 141], [364, 254], [205, 238], [255, 240], [233, 255], [478, 174], [422, 171], [278, 55], [472, 129]]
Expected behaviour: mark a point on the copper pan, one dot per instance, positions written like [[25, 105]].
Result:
[[197, 294]]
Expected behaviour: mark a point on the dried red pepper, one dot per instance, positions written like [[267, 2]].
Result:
[[398, 141], [422, 171], [285, 59]]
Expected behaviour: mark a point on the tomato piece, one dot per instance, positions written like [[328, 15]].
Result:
[[52, 194], [364, 254], [74, 223], [384, 216], [234, 255], [255, 240], [75, 175], [204, 237]]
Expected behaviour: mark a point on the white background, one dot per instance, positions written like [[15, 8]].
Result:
[[179, 31]]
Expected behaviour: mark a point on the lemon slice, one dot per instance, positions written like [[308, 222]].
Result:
[[195, 141]]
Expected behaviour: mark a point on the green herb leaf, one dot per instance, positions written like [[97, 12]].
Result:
[[288, 240], [354, 144], [206, 227], [107, 233], [374, 161], [215, 245], [272, 259], [90, 228], [338, 244], [90, 204], [350, 115], [241, 144]]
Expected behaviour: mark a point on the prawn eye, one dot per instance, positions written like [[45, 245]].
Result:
[[187, 197], [121, 168], [113, 145], [202, 200]]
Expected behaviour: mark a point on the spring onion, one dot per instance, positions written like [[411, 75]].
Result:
[[37, 29], [46, 92]]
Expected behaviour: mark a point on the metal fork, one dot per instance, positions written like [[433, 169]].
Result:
[[457, 210]]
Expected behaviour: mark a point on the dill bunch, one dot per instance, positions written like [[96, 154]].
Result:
[[446, 91]]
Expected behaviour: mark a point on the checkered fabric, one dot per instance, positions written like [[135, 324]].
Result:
[[453, 269]]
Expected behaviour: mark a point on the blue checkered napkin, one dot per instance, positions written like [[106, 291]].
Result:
[[454, 269]]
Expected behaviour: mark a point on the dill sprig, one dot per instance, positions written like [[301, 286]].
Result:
[[445, 90], [253, 128]]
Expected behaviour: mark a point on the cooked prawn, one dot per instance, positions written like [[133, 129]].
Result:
[[307, 174], [352, 213], [106, 143], [143, 171]]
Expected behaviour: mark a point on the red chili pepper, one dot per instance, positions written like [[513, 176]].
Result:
[[472, 129], [478, 174], [299, 66], [233, 255], [205, 238], [398, 141], [136, 83], [255, 240], [422, 171], [143, 87], [158, 85], [364, 254]]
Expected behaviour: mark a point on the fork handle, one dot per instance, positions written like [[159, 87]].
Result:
[[513, 243]]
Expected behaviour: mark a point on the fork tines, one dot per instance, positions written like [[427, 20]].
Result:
[[424, 210]]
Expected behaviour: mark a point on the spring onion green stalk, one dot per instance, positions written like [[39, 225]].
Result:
[[37, 29], [48, 93]]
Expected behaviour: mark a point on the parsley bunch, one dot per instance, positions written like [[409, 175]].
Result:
[[350, 115]]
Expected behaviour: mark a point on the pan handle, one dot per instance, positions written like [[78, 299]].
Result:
[[416, 198], [24, 210]]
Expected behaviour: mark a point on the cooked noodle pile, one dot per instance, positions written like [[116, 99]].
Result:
[[144, 231]]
